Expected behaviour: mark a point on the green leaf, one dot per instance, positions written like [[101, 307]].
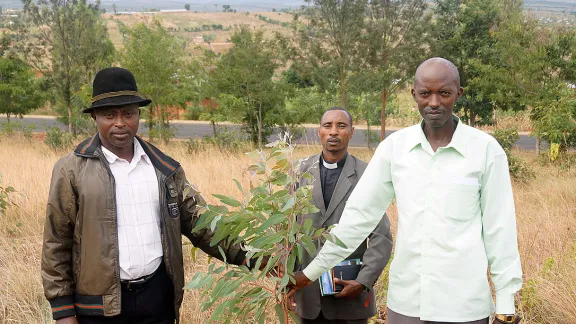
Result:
[[332, 238], [307, 225], [290, 263], [228, 200], [222, 254], [300, 251], [214, 222], [199, 281], [289, 204], [284, 281], [273, 220], [294, 317], [193, 253], [279, 313], [239, 186], [308, 244]]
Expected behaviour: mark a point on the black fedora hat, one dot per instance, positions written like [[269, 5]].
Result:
[[115, 87]]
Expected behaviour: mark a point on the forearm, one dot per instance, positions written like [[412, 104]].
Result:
[[500, 234], [364, 209]]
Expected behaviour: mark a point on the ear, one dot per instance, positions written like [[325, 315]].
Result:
[[413, 93], [352, 132], [460, 93], [93, 115]]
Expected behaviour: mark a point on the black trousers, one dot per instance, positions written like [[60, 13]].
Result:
[[322, 320], [152, 303]]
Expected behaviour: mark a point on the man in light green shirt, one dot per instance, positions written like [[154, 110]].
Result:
[[456, 214]]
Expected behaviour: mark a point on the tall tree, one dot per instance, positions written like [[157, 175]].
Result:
[[328, 45], [187, 7], [394, 48], [369, 47], [154, 56], [19, 89], [245, 73], [463, 34], [67, 41]]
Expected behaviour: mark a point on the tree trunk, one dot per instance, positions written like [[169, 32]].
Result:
[[70, 116], [8, 117], [383, 114], [537, 146], [368, 134], [150, 122], [494, 117], [472, 118], [342, 88], [212, 118], [260, 125]]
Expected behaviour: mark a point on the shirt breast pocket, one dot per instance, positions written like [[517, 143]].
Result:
[[463, 199]]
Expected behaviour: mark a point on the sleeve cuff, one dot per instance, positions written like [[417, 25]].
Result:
[[240, 258], [62, 307], [366, 285], [505, 302], [313, 271]]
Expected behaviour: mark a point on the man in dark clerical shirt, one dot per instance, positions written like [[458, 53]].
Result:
[[335, 174]]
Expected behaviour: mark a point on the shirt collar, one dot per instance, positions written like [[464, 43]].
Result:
[[458, 141], [337, 165], [138, 154]]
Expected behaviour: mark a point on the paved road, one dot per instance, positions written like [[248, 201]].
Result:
[[197, 130]]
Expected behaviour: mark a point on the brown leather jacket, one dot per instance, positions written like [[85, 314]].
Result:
[[80, 267]]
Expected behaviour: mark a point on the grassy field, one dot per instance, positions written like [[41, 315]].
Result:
[[546, 212]]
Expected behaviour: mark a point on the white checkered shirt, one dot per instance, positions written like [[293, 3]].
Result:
[[138, 213]]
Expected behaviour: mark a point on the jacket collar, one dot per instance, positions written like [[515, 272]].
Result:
[[90, 148]]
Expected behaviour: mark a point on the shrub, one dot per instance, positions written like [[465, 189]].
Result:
[[5, 200], [56, 139], [518, 168]]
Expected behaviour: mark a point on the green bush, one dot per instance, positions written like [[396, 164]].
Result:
[[193, 112], [226, 140], [518, 168], [57, 140], [5, 200]]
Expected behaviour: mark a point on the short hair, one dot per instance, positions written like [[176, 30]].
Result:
[[340, 109]]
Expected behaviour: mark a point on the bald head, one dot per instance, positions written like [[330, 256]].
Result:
[[435, 67]]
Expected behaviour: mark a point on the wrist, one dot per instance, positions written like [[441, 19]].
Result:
[[506, 318]]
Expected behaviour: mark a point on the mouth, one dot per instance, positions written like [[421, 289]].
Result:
[[333, 141], [121, 135], [434, 113]]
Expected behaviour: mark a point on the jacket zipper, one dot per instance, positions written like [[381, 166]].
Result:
[[115, 223], [163, 207]]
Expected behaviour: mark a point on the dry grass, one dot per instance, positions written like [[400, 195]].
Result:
[[546, 209], [183, 20]]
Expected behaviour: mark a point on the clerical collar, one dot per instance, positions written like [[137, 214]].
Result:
[[336, 165]]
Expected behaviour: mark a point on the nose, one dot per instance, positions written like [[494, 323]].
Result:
[[434, 101], [119, 121], [334, 130]]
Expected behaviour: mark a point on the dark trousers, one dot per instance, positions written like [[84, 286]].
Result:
[[151, 303], [395, 318], [322, 320]]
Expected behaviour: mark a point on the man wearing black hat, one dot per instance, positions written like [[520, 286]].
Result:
[[116, 211]]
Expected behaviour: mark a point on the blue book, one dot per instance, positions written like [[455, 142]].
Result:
[[327, 279]]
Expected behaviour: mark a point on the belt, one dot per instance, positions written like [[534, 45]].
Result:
[[138, 284]]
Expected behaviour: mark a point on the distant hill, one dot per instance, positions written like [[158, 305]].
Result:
[[201, 6]]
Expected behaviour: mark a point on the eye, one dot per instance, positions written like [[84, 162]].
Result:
[[342, 125], [424, 93], [445, 93]]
